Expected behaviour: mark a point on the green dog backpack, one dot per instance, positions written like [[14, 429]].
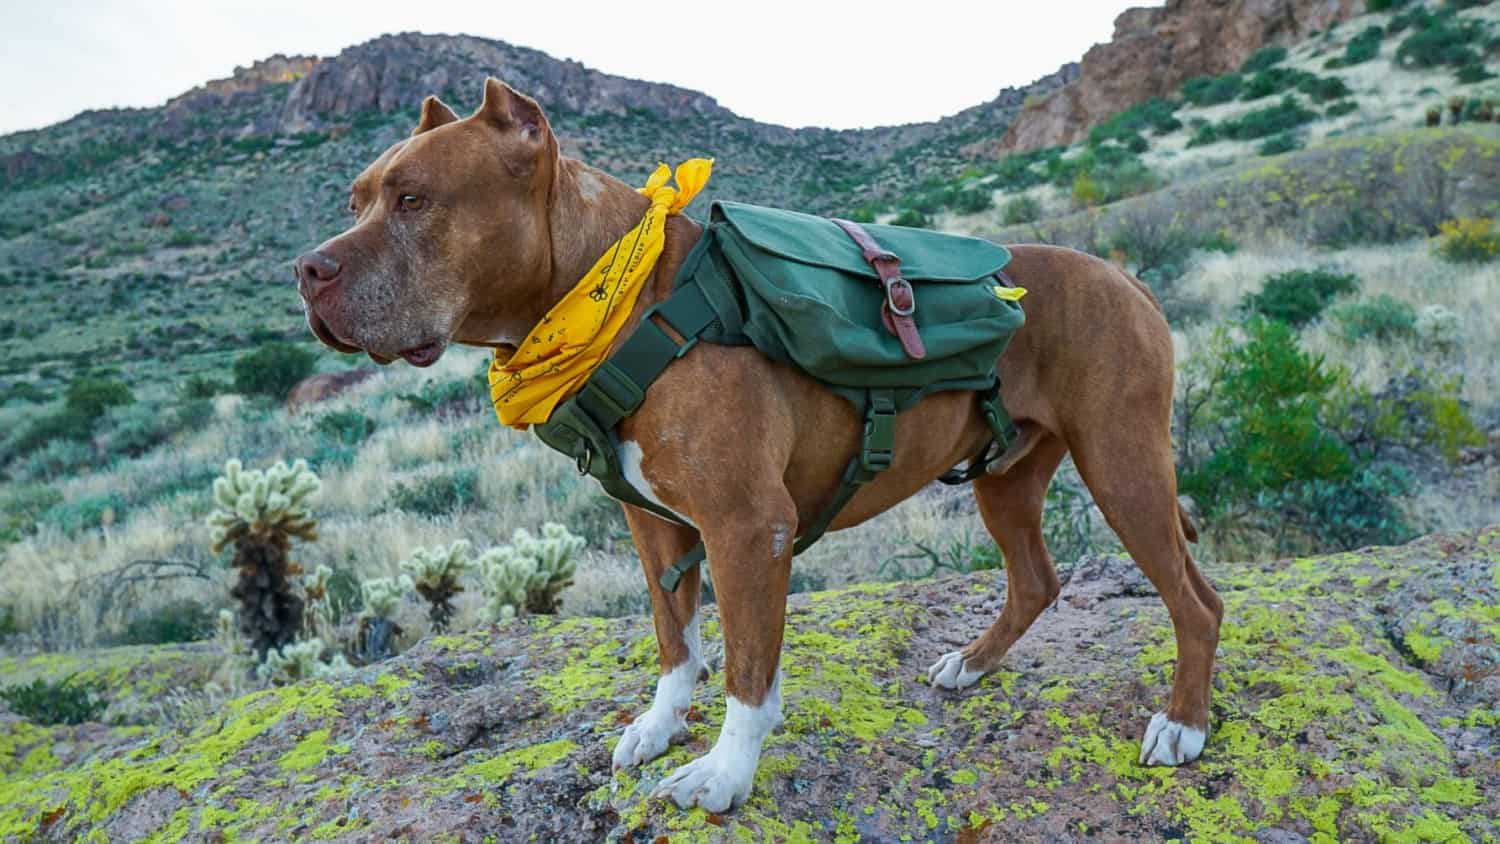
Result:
[[881, 315]]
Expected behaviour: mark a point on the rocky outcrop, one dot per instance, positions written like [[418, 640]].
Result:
[[1155, 50], [324, 386], [396, 72], [276, 70], [1355, 700]]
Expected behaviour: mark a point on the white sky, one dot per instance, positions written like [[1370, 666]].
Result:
[[836, 64]]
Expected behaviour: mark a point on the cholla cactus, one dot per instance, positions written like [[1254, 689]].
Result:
[[378, 630], [299, 661], [273, 502], [436, 572], [1439, 327], [529, 573], [259, 513], [317, 614]]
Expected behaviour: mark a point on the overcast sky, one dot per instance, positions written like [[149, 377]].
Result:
[[830, 64]]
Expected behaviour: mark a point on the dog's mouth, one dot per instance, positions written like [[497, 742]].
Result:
[[325, 335], [424, 355]]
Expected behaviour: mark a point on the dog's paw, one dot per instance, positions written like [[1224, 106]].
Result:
[[647, 737], [716, 782], [949, 672], [1170, 743]]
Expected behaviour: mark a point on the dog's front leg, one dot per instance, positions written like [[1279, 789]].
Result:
[[750, 560], [660, 543]]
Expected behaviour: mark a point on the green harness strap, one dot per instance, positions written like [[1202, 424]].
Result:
[[584, 426]]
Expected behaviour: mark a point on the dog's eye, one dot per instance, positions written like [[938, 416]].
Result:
[[353, 210], [412, 202]]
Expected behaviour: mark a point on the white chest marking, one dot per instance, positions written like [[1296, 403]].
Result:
[[630, 464]]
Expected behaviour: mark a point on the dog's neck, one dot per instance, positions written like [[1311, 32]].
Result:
[[587, 211]]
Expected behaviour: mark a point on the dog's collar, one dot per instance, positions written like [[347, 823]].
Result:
[[575, 336]]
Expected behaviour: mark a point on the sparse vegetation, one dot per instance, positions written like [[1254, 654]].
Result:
[[71, 700]]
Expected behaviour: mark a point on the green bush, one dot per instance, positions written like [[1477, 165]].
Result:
[[1353, 512], [203, 387], [183, 620], [91, 397], [21, 505], [1266, 408], [1341, 108], [8, 626], [1022, 209], [348, 427], [972, 200], [1363, 47], [1155, 114], [59, 458], [913, 218], [1264, 59], [193, 414], [862, 214], [1383, 318], [1208, 133], [272, 370], [437, 495], [1474, 71], [66, 701], [1323, 89], [1277, 144], [1299, 296], [1444, 40], [1287, 114], [1212, 90], [1384, 5], [87, 513]]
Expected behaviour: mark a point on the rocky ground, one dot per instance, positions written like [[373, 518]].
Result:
[[1356, 700]]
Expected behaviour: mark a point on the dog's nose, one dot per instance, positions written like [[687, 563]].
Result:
[[316, 272]]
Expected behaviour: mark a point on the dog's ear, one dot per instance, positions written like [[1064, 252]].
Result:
[[509, 109], [435, 113]]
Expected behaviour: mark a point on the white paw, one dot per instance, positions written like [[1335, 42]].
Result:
[[716, 782], [647, 737], [1170, 743], [949, 672]]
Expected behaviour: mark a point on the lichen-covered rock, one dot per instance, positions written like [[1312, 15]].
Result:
[[1355, 700]]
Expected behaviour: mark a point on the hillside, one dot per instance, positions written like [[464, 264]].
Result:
[[1353, 702]]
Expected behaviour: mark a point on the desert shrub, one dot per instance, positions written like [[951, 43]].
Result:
[[193, 414], [1384, 5], [1468, 240], [8, 626], [1444, 40], [436, 495], [348, 427], [1264, 59], [183, 620], [1207, 133], [1362, 509], [1086, 193], [1212, 90], [912, 217], [1474, 71], [1287, 114], [972, 200], [1323, 89], [1341, 108], [442, 397], [89, 512], [203, 387], [1155, 114], [1277, 144], [1419, 412], [1439, 327], [862, 214], [1266, 430], [1273, 81], [1022, 209], [1383, 318], [272, 370], [70, 700], [59, 458], [1363, 47], [24, 391], [136, 428], [1299, 296], [21, 505]]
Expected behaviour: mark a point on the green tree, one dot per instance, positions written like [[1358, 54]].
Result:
[[272, 370]]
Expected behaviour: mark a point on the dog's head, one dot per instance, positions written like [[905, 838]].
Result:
[[453, 216]]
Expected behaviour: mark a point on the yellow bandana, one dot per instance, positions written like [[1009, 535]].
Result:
[[574, 337]]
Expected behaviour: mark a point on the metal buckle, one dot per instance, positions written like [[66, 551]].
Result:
[[911, 295], [586, 459]]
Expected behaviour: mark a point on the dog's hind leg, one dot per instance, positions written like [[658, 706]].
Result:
[[677, 639], [1130, 472], [1011, 505]]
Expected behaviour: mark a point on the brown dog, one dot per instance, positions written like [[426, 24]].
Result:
[[473, 228]]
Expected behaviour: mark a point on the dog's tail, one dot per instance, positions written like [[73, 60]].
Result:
[[1188, 528]]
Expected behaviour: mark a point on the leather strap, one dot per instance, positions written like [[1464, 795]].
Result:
[[900, 299]]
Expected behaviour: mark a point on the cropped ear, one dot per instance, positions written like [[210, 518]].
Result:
[[435, 113], [510, 109]]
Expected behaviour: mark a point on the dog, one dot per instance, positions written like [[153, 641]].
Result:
[[472, 228]]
